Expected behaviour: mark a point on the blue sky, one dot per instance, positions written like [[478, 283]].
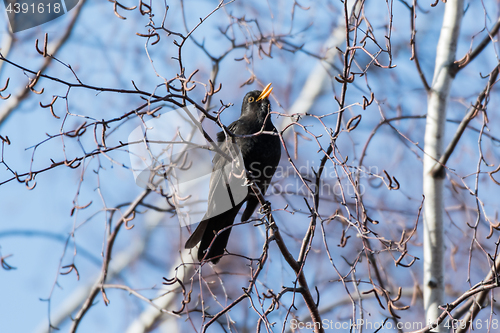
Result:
[[105, 51]]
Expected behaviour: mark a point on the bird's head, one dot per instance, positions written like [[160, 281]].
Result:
[[256, 103]]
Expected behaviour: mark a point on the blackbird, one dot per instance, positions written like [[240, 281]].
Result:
[[261, 153]]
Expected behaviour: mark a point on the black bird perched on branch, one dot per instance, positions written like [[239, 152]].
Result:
[[261, 153]]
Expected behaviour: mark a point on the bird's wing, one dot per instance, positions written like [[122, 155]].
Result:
[[228, 176], [221, 138], [227, 190]]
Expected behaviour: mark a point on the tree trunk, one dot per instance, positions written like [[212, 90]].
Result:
[[433, 183]]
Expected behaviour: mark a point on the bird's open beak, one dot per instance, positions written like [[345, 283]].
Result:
[[266, 92]]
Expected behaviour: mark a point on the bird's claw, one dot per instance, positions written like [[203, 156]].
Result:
[[265, 208]]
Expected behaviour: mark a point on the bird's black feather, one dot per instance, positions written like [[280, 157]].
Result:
[[261, 154]]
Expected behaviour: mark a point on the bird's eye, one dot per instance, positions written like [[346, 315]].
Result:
[[250, 99]]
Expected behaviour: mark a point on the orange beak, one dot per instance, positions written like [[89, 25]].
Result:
[[266, 92]]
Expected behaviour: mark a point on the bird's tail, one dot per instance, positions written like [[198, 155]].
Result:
[[208, 229]]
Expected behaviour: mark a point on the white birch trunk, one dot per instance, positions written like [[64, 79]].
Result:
[[433, 184]]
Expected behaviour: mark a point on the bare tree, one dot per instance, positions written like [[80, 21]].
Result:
[[433, 182], [368, 222]]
